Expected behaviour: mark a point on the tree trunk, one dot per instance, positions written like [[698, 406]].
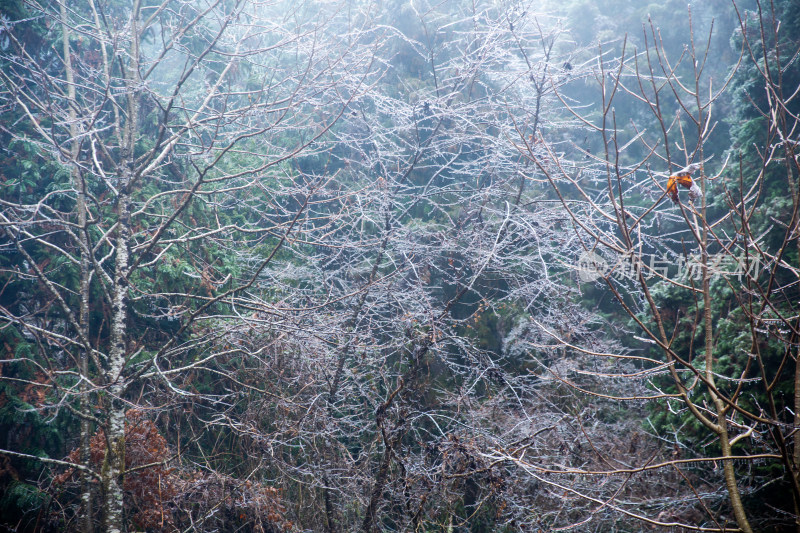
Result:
[[113, 468], [114, 463], [796, 450], [87, 524], [721, 409]]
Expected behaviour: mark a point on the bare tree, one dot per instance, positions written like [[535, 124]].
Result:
[[172, 129], [688, 257], [380, 369]]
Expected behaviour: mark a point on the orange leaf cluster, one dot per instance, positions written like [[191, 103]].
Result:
[[682, 178], [149, 489], [153, 490]]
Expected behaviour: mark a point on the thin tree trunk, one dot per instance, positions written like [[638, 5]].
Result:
[[83, 318], [796, 450], [401, 392], [330, 512], [114, 463], [376, 495], [734, 496], [795, 470]]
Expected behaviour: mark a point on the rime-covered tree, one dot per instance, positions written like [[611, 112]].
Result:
[[158, 182]]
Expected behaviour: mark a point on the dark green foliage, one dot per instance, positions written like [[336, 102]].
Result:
[[22, 504]]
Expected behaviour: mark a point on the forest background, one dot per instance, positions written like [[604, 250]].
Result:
[[399, 266]]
